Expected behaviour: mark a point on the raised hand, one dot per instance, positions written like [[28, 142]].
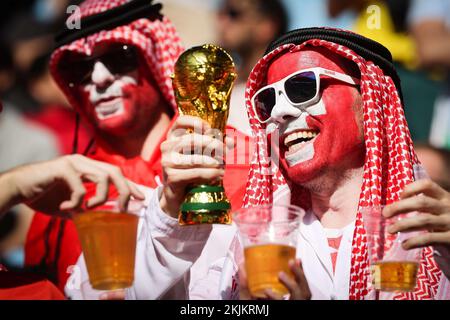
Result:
[[189, 156], [56, 186], [433, 204]]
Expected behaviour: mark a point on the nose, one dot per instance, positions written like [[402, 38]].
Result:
[[101, 76], [283, 109]]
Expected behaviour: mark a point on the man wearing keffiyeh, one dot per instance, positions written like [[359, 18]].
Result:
[[115, 71], [334, 100], [327, 104]]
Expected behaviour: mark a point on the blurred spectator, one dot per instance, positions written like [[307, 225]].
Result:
[[386, 22], [376, 20], [27, 40], [436, 162], [244, 29], [430, 25]]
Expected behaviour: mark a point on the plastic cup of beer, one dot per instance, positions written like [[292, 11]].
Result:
[[269, 235], [108, 239], [392, 267]]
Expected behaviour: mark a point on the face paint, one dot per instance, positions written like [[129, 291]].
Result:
[[321, 136], [119, 104], [106, 92]]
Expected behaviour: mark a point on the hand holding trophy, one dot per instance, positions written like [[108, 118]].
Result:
[[203, 79]]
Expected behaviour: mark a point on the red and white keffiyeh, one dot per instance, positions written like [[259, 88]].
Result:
[[157, 41], [388, 168]]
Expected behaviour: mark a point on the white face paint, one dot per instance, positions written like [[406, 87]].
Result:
[[105, 90], [296, 136]]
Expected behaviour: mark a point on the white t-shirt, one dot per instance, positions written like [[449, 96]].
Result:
[[314, 251]]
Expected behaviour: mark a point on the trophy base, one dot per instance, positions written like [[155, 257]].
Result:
[[205, 205], [187, 218]]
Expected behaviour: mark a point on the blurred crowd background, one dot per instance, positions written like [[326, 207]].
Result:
[[37, 122]]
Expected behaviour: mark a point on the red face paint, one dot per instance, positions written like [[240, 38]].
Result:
[[139, 100], [339, 142]]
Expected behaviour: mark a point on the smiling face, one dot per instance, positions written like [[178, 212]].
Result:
[[326, 135], [117, 99]]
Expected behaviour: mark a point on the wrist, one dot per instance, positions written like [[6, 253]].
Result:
[[168, 207]]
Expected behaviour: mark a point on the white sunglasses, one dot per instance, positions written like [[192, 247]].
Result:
[[301, 88]]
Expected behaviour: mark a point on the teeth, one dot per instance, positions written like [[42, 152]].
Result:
[[295, 147], [299, 135], [106, 108]]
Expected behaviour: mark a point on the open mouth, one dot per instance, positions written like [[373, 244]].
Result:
[[297, 140], [108, 107]]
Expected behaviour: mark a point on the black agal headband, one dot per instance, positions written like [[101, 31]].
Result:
[[365, 47], [110, 19]]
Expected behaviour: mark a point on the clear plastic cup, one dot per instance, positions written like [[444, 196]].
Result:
[[269, 235], [392, 267], [108, 239]]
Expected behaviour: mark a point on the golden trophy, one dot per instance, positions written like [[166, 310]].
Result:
[[203, 79]]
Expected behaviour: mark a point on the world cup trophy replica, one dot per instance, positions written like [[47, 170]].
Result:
[[202, 81]]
